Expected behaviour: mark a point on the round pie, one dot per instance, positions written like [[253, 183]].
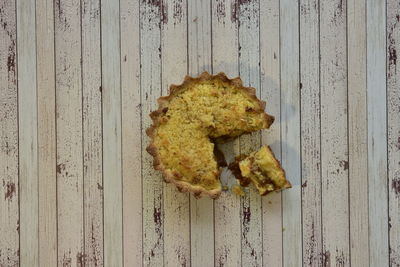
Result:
[[191, 119]]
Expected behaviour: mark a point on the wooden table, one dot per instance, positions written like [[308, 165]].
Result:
[[79, 78]]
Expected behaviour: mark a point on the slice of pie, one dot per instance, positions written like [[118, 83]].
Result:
[[196, 114], [261, 169]]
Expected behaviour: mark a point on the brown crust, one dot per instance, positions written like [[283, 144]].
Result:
[[162, 104]]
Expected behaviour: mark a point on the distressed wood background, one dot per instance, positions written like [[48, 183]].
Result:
[[78, 79]]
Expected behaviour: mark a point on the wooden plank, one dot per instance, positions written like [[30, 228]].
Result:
[[27, 125], [92, 133], [174, 68], [199, 36], [358, 155], [377, 133], [334, 143], [249, 71], [393, 107], [270, 92], [112, 150], [9, 210], [310, 132], [227, 224], [131, 133], [201, 210], [153, 209], [47, 161], [69, 133], [290, 131]]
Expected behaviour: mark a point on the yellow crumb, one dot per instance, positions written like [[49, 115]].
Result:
[[237, 190]]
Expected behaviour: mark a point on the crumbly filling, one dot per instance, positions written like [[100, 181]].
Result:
[[262, 169], [201, 112]]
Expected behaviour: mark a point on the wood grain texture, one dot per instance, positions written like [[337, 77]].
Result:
[[249, 71], [69, 133], [393, 109], [78, 187], [310, 132], [46, 101], [227, 222], [27, 125], [174, 67], [377, 133], [112, 150], [153, 205], [131, 133], [9, 206], [270, 92], [199, 60], [357, 132], [92, 133], [290, 132], [334, 143]]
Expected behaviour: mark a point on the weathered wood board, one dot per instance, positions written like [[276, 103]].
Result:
[[79, 78]]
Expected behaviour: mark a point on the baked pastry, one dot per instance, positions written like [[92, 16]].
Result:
[[262, 169], [188, 122]]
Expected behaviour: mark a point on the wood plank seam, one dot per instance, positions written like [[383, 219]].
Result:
[[393, 107], [83, 254], [56, 127]]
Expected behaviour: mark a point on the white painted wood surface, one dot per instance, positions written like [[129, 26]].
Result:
[[46, 99], [70, 213], [79, 78], [334, 138], [92, 134], [152, 184], [357, 132], [131, 133], [271, 93], [377, 133], [27, 125], [310, 132], [112, 150], [290, 132], [9, 197]]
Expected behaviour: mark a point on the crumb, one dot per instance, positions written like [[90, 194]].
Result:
[[237, 190], [225, 188], [283, 229], [270, 202]]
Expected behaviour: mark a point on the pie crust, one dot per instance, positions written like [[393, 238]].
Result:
[[189, 121]]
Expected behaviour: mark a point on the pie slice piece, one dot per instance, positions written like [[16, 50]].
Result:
[[188, 122], [262, 169]]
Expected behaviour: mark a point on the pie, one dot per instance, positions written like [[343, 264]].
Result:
[[189, 121], [261, 169]]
